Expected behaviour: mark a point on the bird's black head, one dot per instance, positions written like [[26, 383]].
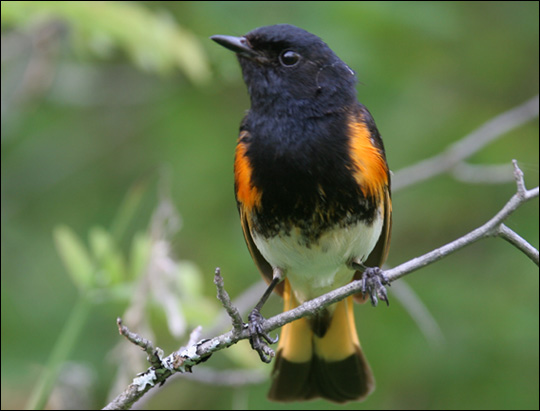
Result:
[[289, 69]]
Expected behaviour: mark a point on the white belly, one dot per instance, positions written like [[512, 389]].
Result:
[[322, 266]]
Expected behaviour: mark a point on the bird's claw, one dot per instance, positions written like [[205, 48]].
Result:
[[373, 283], [259, 339]]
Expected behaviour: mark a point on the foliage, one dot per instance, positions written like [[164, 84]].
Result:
[[153, 41]]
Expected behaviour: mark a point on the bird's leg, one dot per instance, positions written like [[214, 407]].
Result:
[[259, 339]]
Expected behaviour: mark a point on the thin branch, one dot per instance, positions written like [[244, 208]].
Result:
[[126, 399], [185, 358], [154, 354], [482, 173], [467, 146], [520, 180], [195, 336], [487, 230], [223, 296], [515, 239], [402, 292], [243, 302]]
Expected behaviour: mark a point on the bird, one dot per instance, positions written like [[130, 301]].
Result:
[[312, 188]]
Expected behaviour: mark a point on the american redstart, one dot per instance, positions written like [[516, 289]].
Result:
[[313, 191]]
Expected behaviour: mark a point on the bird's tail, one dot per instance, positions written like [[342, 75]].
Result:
[[320, 356]]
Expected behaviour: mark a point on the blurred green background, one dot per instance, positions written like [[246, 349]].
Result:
[[113, 113]]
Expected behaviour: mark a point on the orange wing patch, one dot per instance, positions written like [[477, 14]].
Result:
[[246, 193], [371, 171]]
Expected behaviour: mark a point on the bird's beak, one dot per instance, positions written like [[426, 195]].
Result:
[[239, 45]]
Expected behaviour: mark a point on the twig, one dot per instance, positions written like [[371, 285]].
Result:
[[482, 174], [243, 302], [514, 238], [154, 354], [467, 146], [185, 358], [487, 230], [127, 398], [223, 296]]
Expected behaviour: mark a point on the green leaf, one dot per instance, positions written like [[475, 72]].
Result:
[[74, 256], [114, 269], [101, 243], [154, 42], [110, 263]]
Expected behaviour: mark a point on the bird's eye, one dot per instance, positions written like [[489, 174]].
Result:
[[289, 58]]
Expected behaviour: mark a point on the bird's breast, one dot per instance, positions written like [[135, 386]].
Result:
[[315, 267]]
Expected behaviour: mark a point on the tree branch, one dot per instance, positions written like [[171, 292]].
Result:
[[467, 146], [482, 173], [515, 239], [153, 355], [223, 296], [196, 352]]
